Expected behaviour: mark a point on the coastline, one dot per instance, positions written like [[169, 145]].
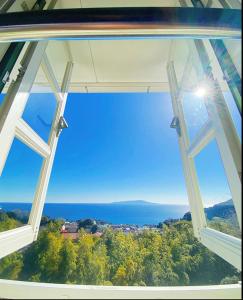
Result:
[[113, 213]]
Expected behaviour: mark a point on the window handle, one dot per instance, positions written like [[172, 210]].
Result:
[[175, 124], [62, 124]]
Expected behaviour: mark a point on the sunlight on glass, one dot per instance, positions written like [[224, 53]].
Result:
[[200, 92]]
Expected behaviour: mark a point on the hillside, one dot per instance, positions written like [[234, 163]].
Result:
[[224, 210], [221, 217]]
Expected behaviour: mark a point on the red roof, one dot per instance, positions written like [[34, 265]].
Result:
[[72, 235]]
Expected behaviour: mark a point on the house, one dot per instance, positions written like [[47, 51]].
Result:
[[69, 227]]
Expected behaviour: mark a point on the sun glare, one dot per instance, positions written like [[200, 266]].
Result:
[[200, 92]]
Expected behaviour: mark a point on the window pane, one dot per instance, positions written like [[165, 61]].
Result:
[[39, 113], [234, 112], [195, 113], [11, 55], [17, 185], [193, 103], [216, 196]]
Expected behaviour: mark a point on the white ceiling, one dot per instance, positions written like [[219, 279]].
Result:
[[107, 63], [119, 65], [123, 65]]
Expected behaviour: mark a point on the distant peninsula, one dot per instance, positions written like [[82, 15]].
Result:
[[134, 202]]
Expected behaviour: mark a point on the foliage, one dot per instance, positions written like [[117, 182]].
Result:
[[221, 217], [85, 223], [230, 280], [11, 266], [167, 257], [19, 215], [225, 226], [8, 222]]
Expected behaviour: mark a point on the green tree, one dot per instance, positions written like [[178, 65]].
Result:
[[171, 256], [7, 223], [42, 259], [230, 280], [67, 262], [91, 260], [11, 266]]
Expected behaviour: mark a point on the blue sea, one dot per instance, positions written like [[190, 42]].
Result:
[[115, 213]]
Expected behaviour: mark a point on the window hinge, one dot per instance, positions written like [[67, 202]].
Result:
[[21, 73], [62, 124]]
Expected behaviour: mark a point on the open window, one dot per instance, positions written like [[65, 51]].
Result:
[[14, 126], [191, 64], [211, 120]]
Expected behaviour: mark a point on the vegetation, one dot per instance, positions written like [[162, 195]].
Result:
[[150, 258], [221, 217], [8, 221], [225, 226], [88, 224]]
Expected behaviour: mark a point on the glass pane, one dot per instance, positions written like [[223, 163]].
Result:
[[41, 104], [10, 57], [234, 112], [1, 99], [39, 113], [17, 6], [216, 196], [193, 104], [195, 113], [61, 4], [17, 185], [180, 53], [234, 49], [230, 52]]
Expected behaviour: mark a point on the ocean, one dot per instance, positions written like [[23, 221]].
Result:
[[115, 213]]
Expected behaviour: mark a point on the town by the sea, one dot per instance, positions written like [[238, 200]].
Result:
[[129, 212]]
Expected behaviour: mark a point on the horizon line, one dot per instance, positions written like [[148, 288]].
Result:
[[113, 202]]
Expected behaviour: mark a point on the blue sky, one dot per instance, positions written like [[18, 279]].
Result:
[[117, 147]]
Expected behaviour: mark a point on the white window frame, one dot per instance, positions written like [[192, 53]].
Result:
[[12, 289], [13, 126], [220, 127]]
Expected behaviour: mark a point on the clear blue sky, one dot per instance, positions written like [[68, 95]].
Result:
[[117, 147]]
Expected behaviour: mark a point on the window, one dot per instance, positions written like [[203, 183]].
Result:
[[14, 125], [190, 68], [207, 121]]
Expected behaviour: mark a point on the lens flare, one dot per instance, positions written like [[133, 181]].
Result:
[[200, 92]]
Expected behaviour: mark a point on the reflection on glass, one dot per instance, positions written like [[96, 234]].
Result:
[[1, 99], [18, 6], [15, 204], [39, 113], [234, 112], [216, 196], [180, 51], [195, 112]]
